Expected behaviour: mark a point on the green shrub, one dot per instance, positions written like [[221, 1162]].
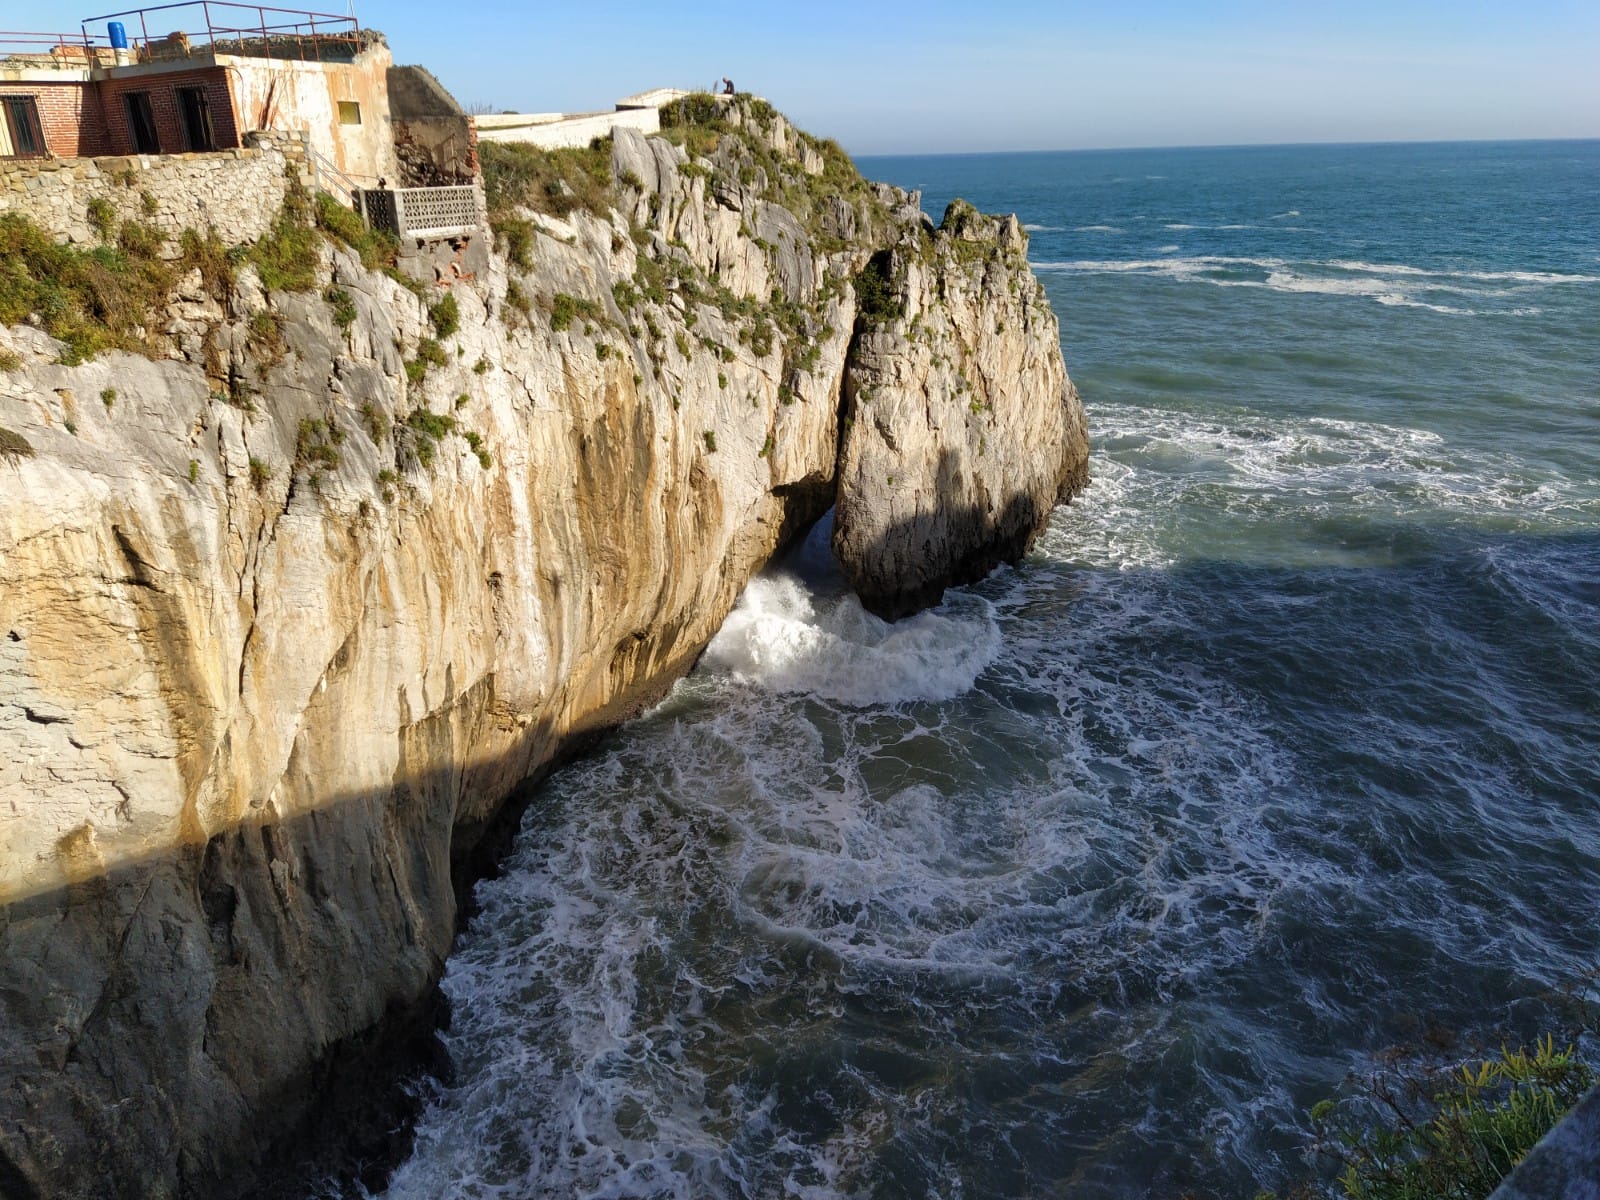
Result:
[[343, 306], [423, 429], [376, 422], [264, 336], [13, 445], [516, 236], [377, 248], [431, 424], [475, 441], [710, 438], [102, 217], [695, 123], [564, 309], [557, 182], [517, 301], [194, 470], [1418, 1134], [259, 473], [287, 256], [214, 261], [316, 446], [92, 300], [877, 299], [108, 397], [429, 354], [140, 241], [446, 316], [481, 367], [10, 361]]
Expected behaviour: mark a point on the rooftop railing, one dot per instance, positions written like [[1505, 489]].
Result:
[[169, 31], [54, 49]]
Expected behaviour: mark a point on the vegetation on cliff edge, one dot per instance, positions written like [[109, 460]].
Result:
[[1424, 1129]]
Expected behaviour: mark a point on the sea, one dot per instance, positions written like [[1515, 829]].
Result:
[[1279, 751]]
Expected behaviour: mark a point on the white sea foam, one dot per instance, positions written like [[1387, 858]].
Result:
[[1388, 284], [1096, 229], [1155, 464], [783, 638], [1042, 228]]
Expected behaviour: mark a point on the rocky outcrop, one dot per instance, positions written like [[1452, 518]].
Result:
[[288, 612], [961, 429]]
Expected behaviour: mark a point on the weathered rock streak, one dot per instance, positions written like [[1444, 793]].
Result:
[[269, 668]]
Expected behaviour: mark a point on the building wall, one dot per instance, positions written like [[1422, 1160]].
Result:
[[84, 113], [236, 193], [274, 94], [163, 88], [435, 140], [69, 112], [541, 130]]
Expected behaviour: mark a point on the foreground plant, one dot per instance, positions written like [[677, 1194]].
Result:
[[1447, 1134]]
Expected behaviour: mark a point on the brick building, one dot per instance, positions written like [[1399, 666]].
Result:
[[180, 90]]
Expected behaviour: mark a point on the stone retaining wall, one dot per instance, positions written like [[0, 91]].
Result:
[[234, 192]]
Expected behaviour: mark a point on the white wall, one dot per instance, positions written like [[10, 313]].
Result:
[[552, 133]]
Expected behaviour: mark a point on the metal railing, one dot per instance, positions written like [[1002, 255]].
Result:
[[330, 179], [55, 49], [227, 27]]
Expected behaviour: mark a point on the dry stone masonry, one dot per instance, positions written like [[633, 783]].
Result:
[[236, 193]]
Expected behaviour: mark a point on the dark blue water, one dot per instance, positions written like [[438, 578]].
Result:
[[1281, 745]]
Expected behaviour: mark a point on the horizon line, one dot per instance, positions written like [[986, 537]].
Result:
[[1223, 146]]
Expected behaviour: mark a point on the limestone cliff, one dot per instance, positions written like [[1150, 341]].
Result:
[[961, 429], [288, 611]]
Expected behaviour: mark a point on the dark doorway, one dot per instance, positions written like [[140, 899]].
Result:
[[142, 123], [22, 120], [196, 115]]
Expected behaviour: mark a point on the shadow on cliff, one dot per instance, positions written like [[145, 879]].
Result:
[[169, 987], [190, 982], [907, 567]]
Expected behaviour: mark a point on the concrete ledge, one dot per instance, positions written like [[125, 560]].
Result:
[[1566, 1164]]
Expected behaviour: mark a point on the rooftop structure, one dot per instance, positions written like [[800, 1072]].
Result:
[[196, 77]]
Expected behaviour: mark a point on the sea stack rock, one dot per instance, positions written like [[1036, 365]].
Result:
[[961, 429]]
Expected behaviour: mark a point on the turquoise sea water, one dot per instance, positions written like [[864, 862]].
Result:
[[1280, 746]]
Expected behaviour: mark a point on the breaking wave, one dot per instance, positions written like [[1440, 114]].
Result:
[[1385, 283]]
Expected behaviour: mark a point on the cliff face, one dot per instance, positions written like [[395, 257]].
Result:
[[287, 614], [961, 429]]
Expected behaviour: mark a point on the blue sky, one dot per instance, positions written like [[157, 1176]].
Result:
[[894, 77]]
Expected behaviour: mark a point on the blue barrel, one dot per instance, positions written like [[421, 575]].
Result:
[[119, 35]]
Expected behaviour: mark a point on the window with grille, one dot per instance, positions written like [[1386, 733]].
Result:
[[21, 115]]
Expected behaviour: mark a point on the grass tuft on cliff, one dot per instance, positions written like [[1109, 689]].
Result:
[[13, 445], [92, 300], [557, 182]]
